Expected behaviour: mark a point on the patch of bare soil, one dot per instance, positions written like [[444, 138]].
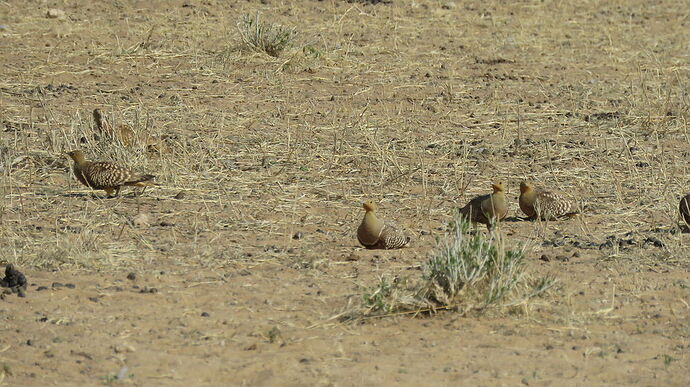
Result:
[[236, 267]]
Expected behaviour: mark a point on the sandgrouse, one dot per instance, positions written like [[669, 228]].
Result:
[[104, 175], [684, 208], [544, 205], [487, 209], [373, 233], [122, 133]]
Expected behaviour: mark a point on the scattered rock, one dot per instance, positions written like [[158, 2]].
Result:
[[656, 242], [544, 258], [132, 276], [122, 373], [55, 13], [180, 195], [205, 314], [14, 280], [298, 235], [352, 257], [141, 220], [123, 348], [148, 290]]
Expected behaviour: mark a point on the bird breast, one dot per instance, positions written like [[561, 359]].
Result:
[[369, 231]]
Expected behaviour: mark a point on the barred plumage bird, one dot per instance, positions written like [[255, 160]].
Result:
[[104, 175], [373, 233], [122, 133], [545, 205], [487, 209], [684, 208]]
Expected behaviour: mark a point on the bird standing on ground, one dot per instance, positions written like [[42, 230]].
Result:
[[122, 133], [684, 208], [104, 175], [487, 209], [373, 233], [545, 205]]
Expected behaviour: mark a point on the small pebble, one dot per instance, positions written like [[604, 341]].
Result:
[[132, 276], [55, 13], [205, 314], [122, 373], [298, 235]]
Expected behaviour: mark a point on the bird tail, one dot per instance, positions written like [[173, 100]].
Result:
[[140, 180]]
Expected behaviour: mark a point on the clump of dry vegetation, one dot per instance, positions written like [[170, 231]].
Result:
[[261, 36], [467, 271]]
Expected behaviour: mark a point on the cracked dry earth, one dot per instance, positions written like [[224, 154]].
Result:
[[235, 268]]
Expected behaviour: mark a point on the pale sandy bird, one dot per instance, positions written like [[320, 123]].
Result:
[[373, 233], [545, 205], [122, 133], [487, 209], [684, 208], [104, 175]]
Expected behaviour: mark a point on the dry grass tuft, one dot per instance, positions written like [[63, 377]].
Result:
[[467, 272], [260, 36]]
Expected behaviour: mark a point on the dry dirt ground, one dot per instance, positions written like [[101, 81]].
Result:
[[418, 105]]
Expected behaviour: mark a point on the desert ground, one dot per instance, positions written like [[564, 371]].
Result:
[[241, 265]]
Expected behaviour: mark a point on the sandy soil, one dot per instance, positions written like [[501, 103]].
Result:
[[417, 105]]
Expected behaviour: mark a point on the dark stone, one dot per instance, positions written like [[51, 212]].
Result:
[[14, 280]]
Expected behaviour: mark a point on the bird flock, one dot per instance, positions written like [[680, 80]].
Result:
[[488, 209], [372, 233]]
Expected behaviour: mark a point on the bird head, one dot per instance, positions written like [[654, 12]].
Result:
[[524, 187], [369, 206], [77, 156], [498, 186]]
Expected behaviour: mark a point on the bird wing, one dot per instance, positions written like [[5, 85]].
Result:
[[551, 204], [105, 174], [392, 236], [474, 211]]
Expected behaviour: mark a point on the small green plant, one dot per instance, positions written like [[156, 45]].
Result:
[[466, 271], [668, 359], [261, 36], [273, 335], [376, 298], [476, 270]]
